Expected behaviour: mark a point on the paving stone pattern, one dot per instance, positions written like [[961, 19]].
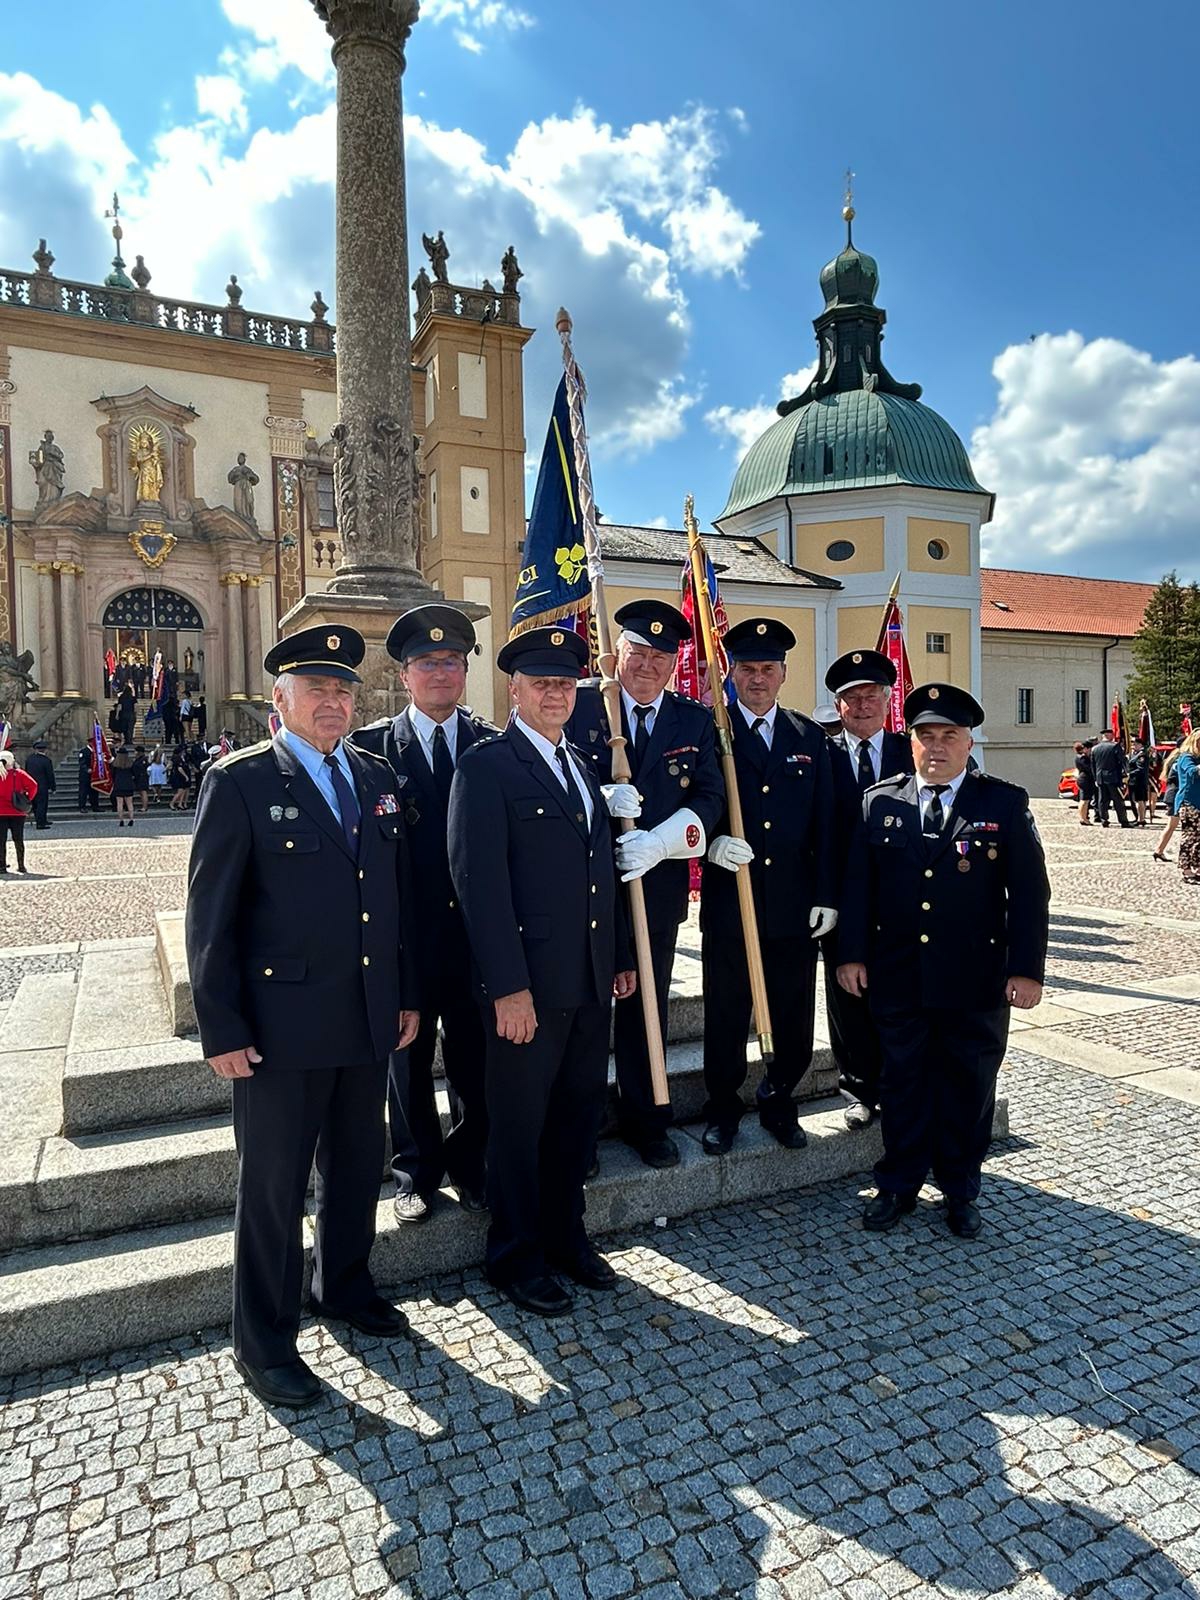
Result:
[[773, 1404], [14, 968], [1160, 1033]]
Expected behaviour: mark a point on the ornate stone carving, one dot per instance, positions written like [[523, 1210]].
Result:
[[387, 22], [243, 480], [345, 486], [310, 480], [438, 252], [140, 273], [16, 681], [147, 457], [152, 543], [385, 494], [49, 469]]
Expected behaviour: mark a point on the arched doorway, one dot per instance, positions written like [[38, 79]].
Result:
[[141, 622]]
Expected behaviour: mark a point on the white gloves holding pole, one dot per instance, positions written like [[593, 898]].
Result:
[[731, 853], [679, 838], [622, 799]]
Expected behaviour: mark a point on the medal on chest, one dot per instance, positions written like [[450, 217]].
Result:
[[963, 846]]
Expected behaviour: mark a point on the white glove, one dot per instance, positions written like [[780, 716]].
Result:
[[822, 920], [679, 838], [622, 799], [637, 852], [730, 853]]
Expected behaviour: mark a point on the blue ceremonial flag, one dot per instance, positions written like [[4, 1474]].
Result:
[[553, 582]]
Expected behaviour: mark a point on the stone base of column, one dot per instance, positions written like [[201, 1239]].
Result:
[[373, 615]]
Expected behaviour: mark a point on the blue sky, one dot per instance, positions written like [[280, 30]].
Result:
[[672, 172]]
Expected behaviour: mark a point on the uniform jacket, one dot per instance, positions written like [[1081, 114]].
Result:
[[295, 945], [895, 757], [680, 769], [787, 809], [1108, 763], [443, 935], [931, 933], [41, 769], [539, 896]]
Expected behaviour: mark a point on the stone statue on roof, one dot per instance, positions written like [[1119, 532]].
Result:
[[49, 468], [438, 252], [510, 267]]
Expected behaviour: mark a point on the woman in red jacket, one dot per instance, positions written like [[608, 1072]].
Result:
[[17, 790]]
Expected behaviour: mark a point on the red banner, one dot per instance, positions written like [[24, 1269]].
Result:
[[1185, 717], [100, 776], [691, 667], [891, 644], [1120, 728]]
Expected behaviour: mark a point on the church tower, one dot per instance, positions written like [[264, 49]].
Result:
[[859, 481]]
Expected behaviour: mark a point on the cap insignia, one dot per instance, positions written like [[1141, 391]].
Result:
[[762, 628], [333, 642], [656, 627], [556, 637], [934, 694], [856, 658], [437, 635]]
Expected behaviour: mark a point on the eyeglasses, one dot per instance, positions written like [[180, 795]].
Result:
[[436, 664]]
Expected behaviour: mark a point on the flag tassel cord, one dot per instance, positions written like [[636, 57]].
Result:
[[610, 689]]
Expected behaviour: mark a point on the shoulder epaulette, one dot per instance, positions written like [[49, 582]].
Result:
[[240, 755], [896, 779]]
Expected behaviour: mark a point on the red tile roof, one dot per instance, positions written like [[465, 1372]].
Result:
[[1048, 602]]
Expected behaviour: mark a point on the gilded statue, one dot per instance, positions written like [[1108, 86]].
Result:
[[147, 460]]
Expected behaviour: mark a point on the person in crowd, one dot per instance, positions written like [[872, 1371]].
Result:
[[785, 783], [126, 713], [1169, 797], [677, 796], [181, 778], [186, 715], [297, 930], [137, 676], [124, 772], [423, 746], [157, 774], [172, 727], [200, 713], [1187, 807], [865, 752], [41, 769], [944, 926], [114, 717], [1154, 765], [17, 794], [1085, 783], [1139, 781], [88, 798], [1110, 768], [531, 857], [141, 777]]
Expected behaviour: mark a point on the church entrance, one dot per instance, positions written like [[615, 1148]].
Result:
[[142, 622]]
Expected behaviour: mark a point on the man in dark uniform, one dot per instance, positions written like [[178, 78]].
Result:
[[87, 795], [864, 753], [297, 894], [1110, 769], [944, 924], [423, 745], [41, 769], [532, 859], [785, 783], [682, 796]]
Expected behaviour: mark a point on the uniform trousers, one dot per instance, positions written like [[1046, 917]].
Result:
[[638, 1118], [87, 795], [1109, 794], [545, 1104], [420, 1155], [853, 1036], [790, 968], [41, 805], [281, 1120], [938, 1096]]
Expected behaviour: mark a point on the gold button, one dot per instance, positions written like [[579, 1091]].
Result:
[[541, 811], [924, 905], [452, 905], [766, 788], [366, 916], [268, 972], [594, 923], [366, 961], [593, 888], [360, 877], [766, 824], [289, 845], [929, 872], [767, 862], [924, 938]]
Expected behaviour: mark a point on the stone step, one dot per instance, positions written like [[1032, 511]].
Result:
[[88, 1185], [68, 1302]]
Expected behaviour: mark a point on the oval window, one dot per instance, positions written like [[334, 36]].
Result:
[[839, 550], [938, 549]]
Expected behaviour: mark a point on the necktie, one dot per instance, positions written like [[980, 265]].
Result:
[[574, 795], [757, 727], [866, 772], [443, 766], [641, 734], [347, 803], [935, 815]]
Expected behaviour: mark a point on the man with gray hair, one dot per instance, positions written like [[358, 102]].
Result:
[[297, 900]]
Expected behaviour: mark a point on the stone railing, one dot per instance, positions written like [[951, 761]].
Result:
[[474, 305], [42, 291]]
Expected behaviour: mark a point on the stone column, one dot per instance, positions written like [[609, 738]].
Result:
[[374, 435], [253, 632], [235, 637], [47, 663], [68, 589]]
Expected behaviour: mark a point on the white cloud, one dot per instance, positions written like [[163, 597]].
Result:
[[474, 17], [286, 34], [224, 99], [743, 425], [1093, 453]]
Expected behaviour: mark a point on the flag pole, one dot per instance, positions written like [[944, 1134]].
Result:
[[610, 690], [745, 889]]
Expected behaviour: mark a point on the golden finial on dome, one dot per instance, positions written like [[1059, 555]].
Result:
[[848, 205]]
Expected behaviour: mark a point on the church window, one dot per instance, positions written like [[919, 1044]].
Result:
[[828, 464], [839, 550], [325, 500], [1024, 707], [938, 549], [1082, 707]]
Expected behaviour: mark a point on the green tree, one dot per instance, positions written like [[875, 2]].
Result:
[[1166, 655]]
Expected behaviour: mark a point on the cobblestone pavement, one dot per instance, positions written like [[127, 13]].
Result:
[[773, 1404]]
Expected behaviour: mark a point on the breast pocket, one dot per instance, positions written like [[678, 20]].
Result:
[[389, 827], [286, 844], [536, 811]]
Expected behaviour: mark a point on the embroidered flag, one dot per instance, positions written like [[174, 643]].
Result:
[[553, 584], [100, 767], [891, 644]]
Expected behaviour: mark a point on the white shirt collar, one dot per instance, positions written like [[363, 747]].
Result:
[[853, 741], [949, 793], [629, 702], [752, 716], [426, 727], [539, 741]]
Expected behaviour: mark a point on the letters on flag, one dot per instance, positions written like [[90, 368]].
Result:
[[891, 644], [554, 582]]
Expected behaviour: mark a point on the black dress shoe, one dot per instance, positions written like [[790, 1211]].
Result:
[[858, 1116], [292, 1384], [885, 1210], [378, 1316], [587, 1267], [543, 1295], [661, 1152], [963, 1218], [718, 1137], [469, 1199], [786, 1130]]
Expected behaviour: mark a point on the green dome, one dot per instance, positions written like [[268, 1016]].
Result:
[[855, 439], [850, 279]]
